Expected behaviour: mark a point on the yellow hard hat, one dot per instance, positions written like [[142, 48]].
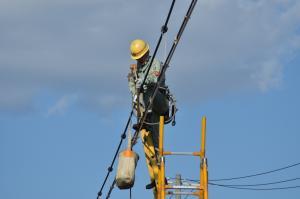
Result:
[[138, 48]]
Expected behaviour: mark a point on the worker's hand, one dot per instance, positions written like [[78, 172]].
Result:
[[133, 67], [135, 99], [138, 83]]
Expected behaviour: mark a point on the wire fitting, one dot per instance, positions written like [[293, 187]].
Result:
[[123, 136], [109, 169], [164, 29]]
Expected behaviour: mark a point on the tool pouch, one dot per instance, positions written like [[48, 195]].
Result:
[[126, 169]]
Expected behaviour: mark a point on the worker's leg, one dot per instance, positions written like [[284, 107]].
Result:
[[154, 128], [151, 158], [150, 154]]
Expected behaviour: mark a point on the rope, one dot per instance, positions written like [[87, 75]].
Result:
[[130, 194]]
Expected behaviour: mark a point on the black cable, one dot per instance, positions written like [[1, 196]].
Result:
[[254, 175], [164, 68], [123, 136], [262, 184], [164, 29], [252, 185], [255, 189], [112, 186], [110, 168], [187, 196]]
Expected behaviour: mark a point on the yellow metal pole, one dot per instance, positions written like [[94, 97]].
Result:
[[203, 136], [201, 181], [205, 178], [161, 155], [161, 136], [203, 168]]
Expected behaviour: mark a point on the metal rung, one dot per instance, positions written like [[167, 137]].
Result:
[[182, 187], [183, 153], [181, 193]]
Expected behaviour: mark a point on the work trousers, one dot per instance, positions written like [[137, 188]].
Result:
[[160, 107]]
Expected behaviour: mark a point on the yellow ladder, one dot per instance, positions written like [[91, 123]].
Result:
[[202, 187]]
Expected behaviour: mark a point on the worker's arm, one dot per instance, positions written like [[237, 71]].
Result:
[[131, 79], [154, 72]]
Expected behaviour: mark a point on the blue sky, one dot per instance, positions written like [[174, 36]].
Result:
[[64, 99]]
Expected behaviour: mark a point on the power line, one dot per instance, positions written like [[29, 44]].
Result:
[[164, 68], [123, 136], [255, 189], [112, 186], [110, 168], [164, 29], [254, 175], [252, 185], [262, 184]]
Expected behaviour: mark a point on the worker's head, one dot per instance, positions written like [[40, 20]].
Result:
[[139, 50]]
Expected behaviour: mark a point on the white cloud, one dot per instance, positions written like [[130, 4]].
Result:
[[82, 48], [61, 106], [269, 76], [236, 45]]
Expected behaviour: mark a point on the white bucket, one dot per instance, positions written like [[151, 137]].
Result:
[[126, 169]]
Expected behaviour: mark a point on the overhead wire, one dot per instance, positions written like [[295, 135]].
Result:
[[123, 135], [164, 68], [263, 184], [110, 189], [255, 189], [164, 29], [110, 168], [187, 196], [184, 182], [257, 174], [166, 63], [250, 185]]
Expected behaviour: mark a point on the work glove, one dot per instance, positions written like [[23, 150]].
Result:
[[138, 83], [135, 99]]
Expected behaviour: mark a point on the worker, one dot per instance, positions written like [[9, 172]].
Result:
[[141, 53]]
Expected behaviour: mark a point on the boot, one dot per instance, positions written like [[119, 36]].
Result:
[[151, 185]]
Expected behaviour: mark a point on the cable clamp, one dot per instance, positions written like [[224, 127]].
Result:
[[164, 29], [110, 169]]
